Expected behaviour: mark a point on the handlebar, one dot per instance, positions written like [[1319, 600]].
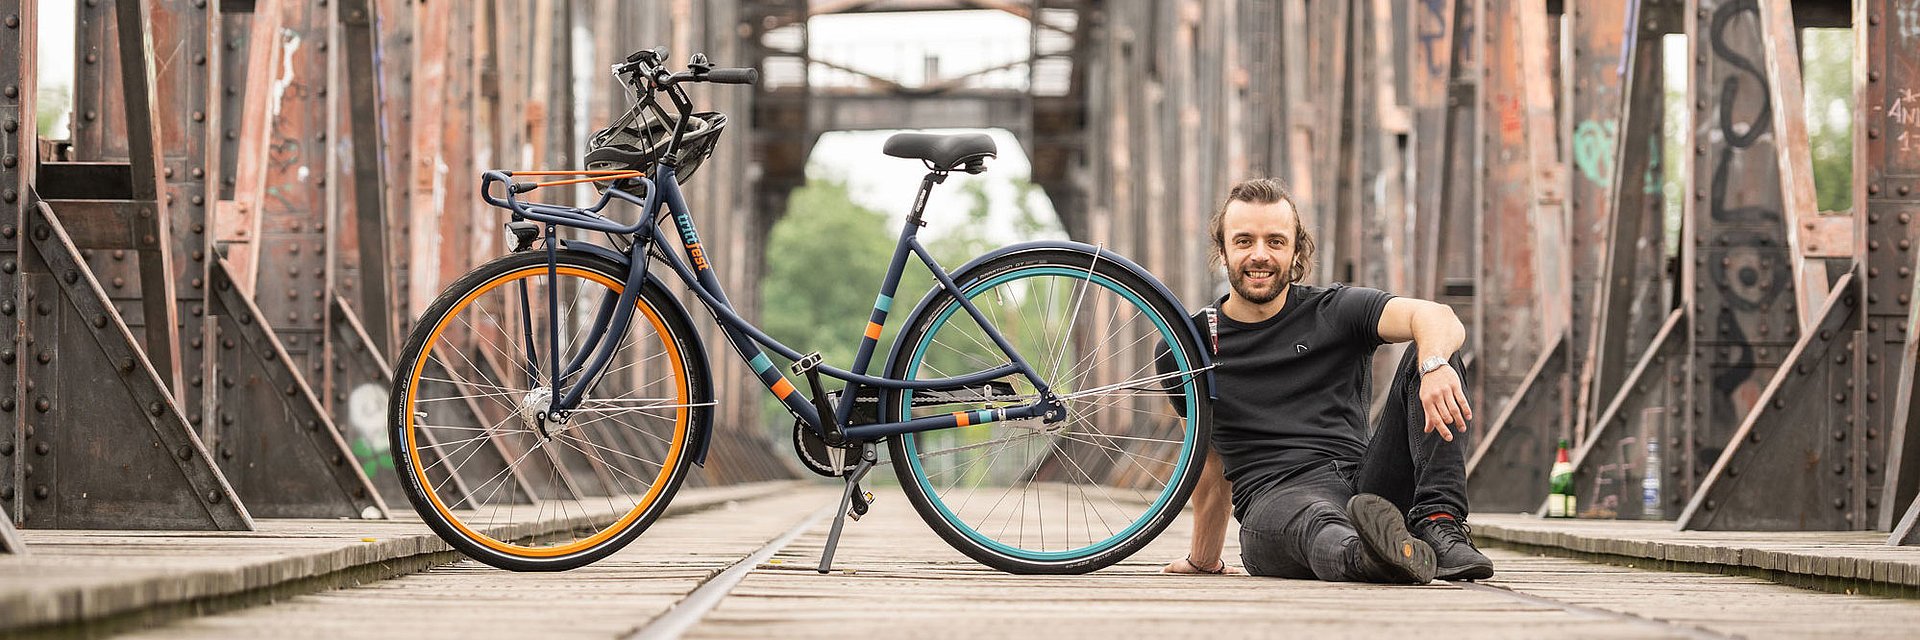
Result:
[[646, 64]]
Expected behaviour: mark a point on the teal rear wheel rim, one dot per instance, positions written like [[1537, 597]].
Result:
[[1164, 494]]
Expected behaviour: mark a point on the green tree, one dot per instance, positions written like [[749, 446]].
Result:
[[825, 263], [50, 103], [1828, 74]]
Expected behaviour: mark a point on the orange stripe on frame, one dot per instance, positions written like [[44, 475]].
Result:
[[783, 388], [873, 331], [960, 417]]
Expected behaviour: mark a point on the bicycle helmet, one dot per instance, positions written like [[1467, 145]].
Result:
[[636, 142]]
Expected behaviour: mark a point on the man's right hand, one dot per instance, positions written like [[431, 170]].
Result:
[[1184, 565]]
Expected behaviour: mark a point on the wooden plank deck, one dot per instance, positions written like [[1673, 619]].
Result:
[[895, 578], [1832, 560], [74, 577]]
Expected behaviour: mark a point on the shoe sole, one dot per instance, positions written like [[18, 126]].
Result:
[[1475, 571], [1384, 532]]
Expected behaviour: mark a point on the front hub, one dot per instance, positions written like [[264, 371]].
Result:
[[533, 410]]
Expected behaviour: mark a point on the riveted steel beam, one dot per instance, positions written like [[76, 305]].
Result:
[[1790, 465], [252, 68], [1593, 94], [116, 104], [294, 242], [1521, 302], [397, 31], [362, 82], [188, 113], [109, 446], [1738, 268], [274, 437], [1886, 187], [1627, 302], [19, 53], [1520, 239]]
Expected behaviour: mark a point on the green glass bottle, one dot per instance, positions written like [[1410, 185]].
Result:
[[1560, 502]]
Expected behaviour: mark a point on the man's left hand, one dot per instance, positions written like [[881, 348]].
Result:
[[1445, 402]]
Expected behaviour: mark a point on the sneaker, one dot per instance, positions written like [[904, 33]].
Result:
[[1392, 554], [1457, 558]]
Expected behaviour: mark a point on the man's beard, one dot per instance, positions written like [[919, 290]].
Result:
[[1238, 279]]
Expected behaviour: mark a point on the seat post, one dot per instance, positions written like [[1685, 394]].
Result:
[[920, 200]]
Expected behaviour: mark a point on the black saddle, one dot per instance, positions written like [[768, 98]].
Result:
[[944, 152]]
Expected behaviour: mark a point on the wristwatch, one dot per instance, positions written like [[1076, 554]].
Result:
[[1430, 363]]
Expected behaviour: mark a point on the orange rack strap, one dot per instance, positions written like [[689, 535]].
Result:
[[571, 173], [616, 176]]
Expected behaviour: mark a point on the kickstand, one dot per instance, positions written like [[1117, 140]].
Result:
[[867, 459]]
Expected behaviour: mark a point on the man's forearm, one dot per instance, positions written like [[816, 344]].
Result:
[[1211, 506], [1437, 332]]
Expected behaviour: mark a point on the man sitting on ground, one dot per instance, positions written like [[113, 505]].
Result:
[[1315, 496]]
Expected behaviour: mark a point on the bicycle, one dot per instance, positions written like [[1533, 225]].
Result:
[[567, 355]]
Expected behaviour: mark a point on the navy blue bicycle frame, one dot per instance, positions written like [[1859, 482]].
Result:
[[614, 316]]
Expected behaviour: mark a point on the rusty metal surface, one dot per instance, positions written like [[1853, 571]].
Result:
[[18, 81], [1509, 471], [373, 280], [1738, 268], [273, 437], [1511, 302], [357, 401], [1790, 465], [187, 110], [1887, 189], [1596, 101], [138, 87], [1435, 146], [1651, 404], [294, 238], [109, 447]]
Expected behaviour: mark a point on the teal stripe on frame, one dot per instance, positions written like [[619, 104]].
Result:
[[884, 303], [761, 364], [982, 416]]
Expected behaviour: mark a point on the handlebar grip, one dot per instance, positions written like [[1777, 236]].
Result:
[[734, 75]]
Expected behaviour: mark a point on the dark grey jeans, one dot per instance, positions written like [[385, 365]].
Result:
[[1299, 528]]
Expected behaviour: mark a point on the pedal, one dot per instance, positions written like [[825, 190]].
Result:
[[806, 364], [861, 501]]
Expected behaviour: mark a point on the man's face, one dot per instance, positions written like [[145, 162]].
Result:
[[1259, 248]]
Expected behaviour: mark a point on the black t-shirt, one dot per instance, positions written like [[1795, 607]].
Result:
[[1293, 388]]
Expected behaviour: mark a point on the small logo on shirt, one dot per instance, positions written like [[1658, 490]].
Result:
[[1300, 348]]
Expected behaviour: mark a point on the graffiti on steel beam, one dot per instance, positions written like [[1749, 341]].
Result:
[[1905, 114], [1432, 31], [1906, 20], [1593, 150], [1756, 270]]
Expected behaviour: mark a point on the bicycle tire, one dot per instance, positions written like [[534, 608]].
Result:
[[621, 462], [1085, 435]]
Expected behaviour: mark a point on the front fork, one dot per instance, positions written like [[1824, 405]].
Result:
[[611, 321]]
